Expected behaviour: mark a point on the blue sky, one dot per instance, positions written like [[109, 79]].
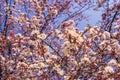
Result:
[[93, 18]]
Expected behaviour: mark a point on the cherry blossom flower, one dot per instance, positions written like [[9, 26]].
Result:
[[85, 59], [33, 46], [34, 32], [112, 62], [42, 36], [109, 69], [53, 10], [22, 64], [106, 35], [68, 24]]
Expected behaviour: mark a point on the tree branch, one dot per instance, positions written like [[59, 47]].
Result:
[[110, 25]]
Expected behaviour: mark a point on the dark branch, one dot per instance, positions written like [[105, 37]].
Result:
[[110, 25]]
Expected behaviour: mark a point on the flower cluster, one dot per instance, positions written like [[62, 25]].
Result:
[[33, 48]]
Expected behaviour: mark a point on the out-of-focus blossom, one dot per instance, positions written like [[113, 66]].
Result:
[[109, 69], [16, 1], [49, 60], [2, 58], [34, 20], [103, 44], [93, 31], [61, 72], [68, 47], [68, 24], [47, 48], [117, 24], [112, 62], [118, 50], [66, 77], [34, 32], [100, 2], [32, 66], [85, 59], [105, 35], [28, 79], [22, 18], [114, 35], [110, 79], [75, 35], [9, 63], [42, 65], [42, 36], [109, 48], [53, 56], [22, 65], [59, 34], [33, 43], [53, 10], [19, 35], [114, 42], [93, 53]]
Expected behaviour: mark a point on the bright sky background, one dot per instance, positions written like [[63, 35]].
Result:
[[94, 17]]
